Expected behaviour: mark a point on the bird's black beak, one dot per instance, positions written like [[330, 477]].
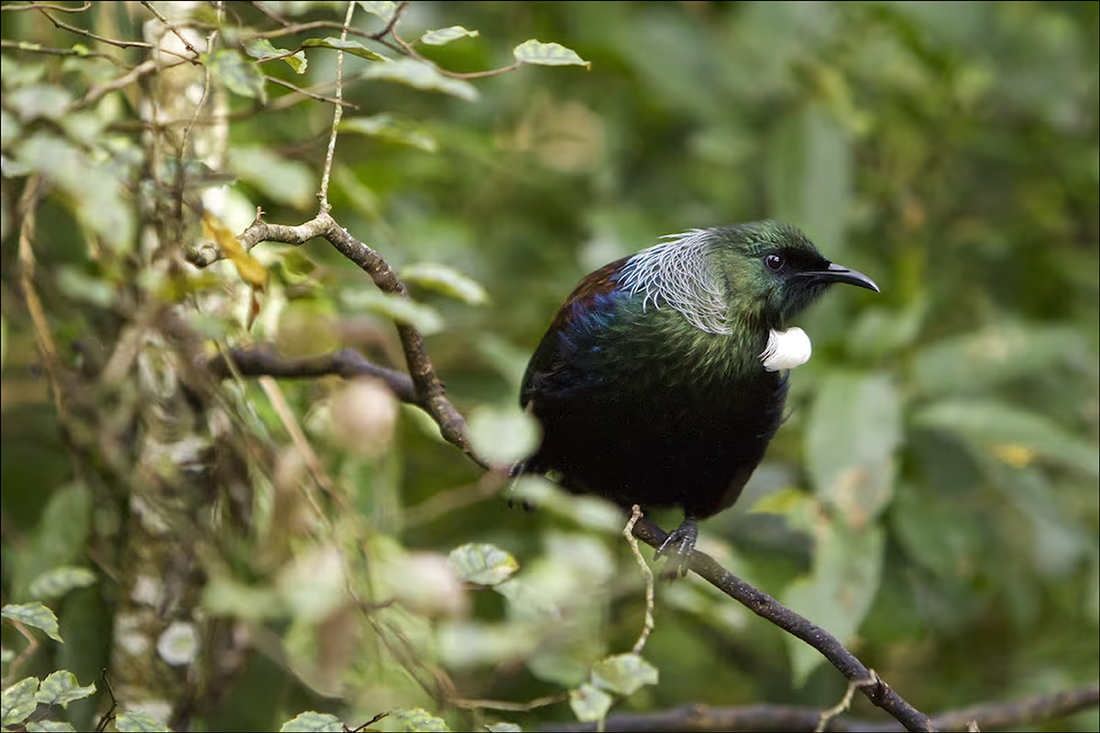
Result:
[[840, 274]]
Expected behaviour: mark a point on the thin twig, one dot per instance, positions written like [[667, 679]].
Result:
[[647, 572], [845, 703], [39, 48], [337, 114], [28, 651], [171, 26], [46, 6], [96, 93], [306, 93], [519, 707], [298, 437]]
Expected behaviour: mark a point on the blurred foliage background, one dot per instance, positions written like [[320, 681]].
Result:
[[932, 499]]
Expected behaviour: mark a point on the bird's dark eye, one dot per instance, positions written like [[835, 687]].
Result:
[[774, 262]]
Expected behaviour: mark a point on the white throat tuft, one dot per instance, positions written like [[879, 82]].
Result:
[[677, 272], [786, 349]]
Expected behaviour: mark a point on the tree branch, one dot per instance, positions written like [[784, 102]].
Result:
[[767, 607], [699, 718], [428, 391], [345, 363]]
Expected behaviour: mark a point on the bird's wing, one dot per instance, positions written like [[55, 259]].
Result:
[[589, 300]]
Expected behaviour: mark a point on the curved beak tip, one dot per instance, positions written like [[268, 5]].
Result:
[[841, 274]]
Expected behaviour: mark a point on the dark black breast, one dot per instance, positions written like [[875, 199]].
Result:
[[624, 418]]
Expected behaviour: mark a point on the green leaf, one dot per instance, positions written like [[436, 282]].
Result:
[[95, 189], [547, 54], [40, 100], [388, 127], [313, 722], [503, 435], [36, 615], [882, 332], [784, 502], [137, 722], [18, 701], [854, 430], [418, 719], [80, 286], [353, 47], [384, 9], [987, 358], [261, 49], [1015, 436], [396, 308], [227, 596], [589, 703], [239, 75], [483, 564], [847, 570], [50, 726], [446, 35], [62, 688], [623, 674], [424, 76], [279, 179], [935, 533], [809, 175], [445, 280]]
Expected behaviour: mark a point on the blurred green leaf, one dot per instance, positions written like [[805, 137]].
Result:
[[421, 75], [40, 101], [548, 54], [57, 582], [80, 286], [279, 179], [384, 9], [353, 47], [94, 191], [847, 569], [935, 533], [502, 435], [854, 429], [133, 721], [809, 176], [49, 726], [261, 49], [388, 127], [238, 74], [445, 280], [483, 564], [312, 722], [883, 332], [983, 360], [446, 35], [623, 674], [589, 703], [418, 719], [1015, 436], [396, 308]]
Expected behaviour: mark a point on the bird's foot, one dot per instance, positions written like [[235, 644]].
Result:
[[678, 546]]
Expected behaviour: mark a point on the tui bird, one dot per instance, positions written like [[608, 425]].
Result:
[[662, 378]]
